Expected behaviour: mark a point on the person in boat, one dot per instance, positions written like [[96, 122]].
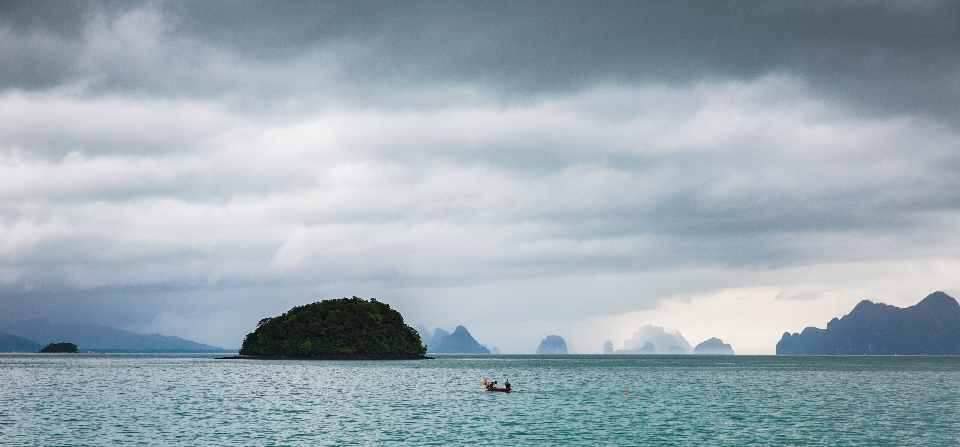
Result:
[[506, 384]]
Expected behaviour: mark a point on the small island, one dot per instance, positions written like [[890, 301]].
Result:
[[553, 344], [59, 348], [345, 328], [713, 346]]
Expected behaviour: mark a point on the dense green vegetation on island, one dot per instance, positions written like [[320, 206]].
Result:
[[59, 347], [339, 328]]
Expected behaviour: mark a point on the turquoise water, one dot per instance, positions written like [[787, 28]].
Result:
[[124, 399]]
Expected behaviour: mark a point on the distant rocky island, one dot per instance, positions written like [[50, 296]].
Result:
[[59, 348], [459, 342], [345, 328], [930, 327], [431, 339], [650, 339], [553, 344], [713, 346]]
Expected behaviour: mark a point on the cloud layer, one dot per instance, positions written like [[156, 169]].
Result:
[[163, 163]]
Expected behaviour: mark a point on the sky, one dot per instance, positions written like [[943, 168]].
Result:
[[725, 169]]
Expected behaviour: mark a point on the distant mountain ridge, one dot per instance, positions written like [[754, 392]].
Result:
[[12, 343], [98, 338], [930, 327]]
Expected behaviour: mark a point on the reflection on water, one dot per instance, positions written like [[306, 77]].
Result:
[[123, 399]]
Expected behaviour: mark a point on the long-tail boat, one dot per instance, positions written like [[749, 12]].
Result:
[[492, 386]]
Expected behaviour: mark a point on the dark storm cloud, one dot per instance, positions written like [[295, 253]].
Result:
[[174, 158], [898, 57]]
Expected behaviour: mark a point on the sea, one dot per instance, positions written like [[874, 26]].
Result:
[[570, 400]]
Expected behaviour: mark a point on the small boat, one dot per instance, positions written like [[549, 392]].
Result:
[[492, 386]]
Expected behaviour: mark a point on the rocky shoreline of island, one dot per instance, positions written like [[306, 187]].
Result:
[[326, 357]]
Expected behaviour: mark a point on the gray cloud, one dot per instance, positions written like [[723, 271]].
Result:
[[893, 57], [162, 162], [696, 175]]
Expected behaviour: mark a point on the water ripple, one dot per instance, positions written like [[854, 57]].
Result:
[[85, 399]]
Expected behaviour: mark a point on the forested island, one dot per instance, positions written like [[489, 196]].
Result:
[[64, 347], [930, 327], [345, 328]]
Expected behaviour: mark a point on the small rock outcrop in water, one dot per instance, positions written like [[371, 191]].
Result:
[[930, 327], [59, 348], [713, 346], [553, 344], [459, 342], [345, 328]]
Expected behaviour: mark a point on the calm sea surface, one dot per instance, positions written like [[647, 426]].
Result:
[[124, 399]]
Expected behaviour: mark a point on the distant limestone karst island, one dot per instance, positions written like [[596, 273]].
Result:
[[650, 339], [713, 346], [459, 342], [345, 328], [553, 344], [930, 327]]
